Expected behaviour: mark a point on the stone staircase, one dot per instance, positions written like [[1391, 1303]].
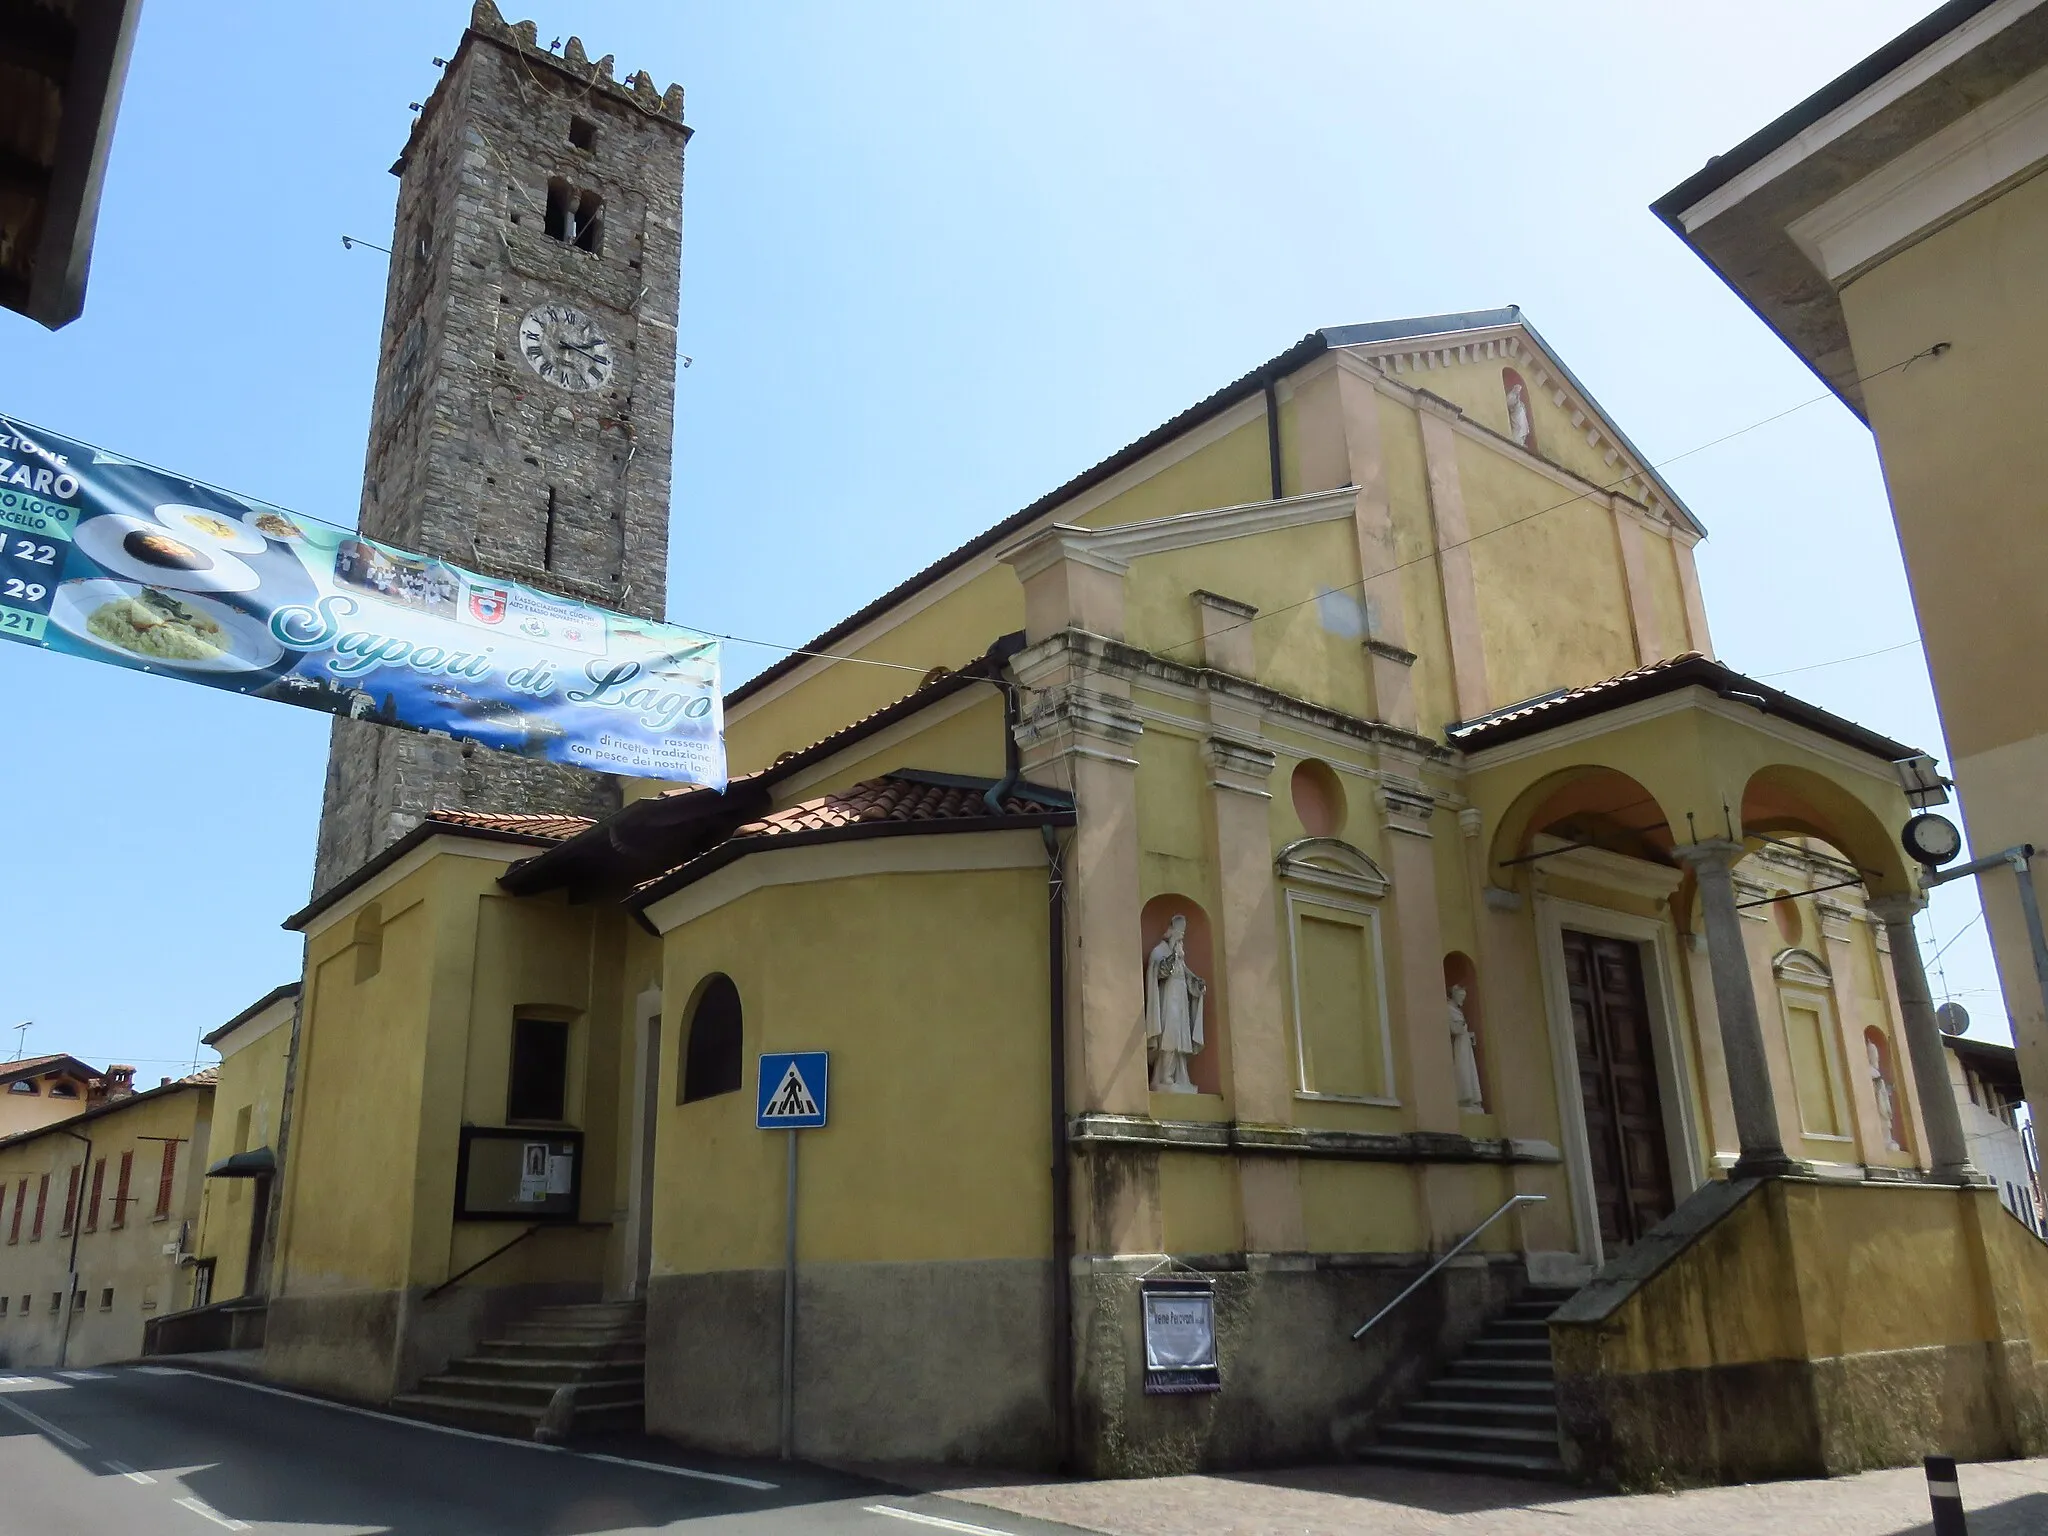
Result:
[[1495, 1407], [599, 1351]]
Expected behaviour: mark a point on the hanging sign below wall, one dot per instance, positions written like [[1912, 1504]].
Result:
[[112, 560], [1180, 1336]]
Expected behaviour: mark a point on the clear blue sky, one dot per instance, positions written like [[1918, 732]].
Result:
[[938, 258]]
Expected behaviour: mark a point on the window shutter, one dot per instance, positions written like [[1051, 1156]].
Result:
[[163, 1186], [20, 1199], [121, 1190], [99, 1187], [71, 1200], [42, 1204]]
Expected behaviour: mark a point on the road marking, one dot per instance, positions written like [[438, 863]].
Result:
[[122, 1469], [84, 1375], [661, 1466], [944, 1525], [63, 1437], [201, 1507], [17, 1381], [467, 1434], [158, 1370]]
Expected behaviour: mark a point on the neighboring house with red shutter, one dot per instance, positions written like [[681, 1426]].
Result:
[[96, 1220]]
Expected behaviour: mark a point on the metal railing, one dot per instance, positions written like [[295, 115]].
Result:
[[1459, 1247]]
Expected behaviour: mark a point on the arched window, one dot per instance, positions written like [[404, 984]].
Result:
[[712, 1056]]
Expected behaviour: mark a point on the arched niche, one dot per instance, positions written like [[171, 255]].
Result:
[[1521, 409], [367, 939], [1206, 1070], [1318, 796], [1896, 1126], [1460, 971]]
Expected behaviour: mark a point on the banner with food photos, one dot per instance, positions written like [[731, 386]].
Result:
[[120, 562]]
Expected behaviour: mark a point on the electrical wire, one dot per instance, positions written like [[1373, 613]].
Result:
[[1815, 666], [1934, 351]]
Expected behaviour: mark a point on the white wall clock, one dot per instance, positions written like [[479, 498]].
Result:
[[566, 348]]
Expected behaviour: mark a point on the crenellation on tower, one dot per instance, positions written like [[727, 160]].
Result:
[[523, 419]]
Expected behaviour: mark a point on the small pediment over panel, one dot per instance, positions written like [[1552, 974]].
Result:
[[1332, 864]]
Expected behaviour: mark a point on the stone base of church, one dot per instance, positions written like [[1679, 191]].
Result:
[[939, 1362], [952, 1362], [1295, 1388], [1799, 1327], [368, 1346]]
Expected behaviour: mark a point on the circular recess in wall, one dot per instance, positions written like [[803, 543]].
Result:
[[1318, 798]]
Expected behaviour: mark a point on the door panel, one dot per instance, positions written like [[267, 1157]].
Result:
[[1618, 1086]]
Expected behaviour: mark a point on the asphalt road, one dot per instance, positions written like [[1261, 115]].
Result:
[[150, 1451]]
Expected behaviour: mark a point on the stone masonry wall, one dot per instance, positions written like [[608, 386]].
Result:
[[472, 457]]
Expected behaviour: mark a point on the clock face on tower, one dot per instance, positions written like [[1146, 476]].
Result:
[[565, 347]]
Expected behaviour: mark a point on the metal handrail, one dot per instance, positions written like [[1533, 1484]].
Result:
[[1462, 1244]]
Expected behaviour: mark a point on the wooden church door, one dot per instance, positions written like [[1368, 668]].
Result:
[[1618, 1084]]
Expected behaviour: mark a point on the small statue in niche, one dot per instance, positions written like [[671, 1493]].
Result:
[[1881, 1090], [1465, 1056], [1173, 1011]]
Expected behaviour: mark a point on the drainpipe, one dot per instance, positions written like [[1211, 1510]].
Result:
[[1273, 436], [1062, 1168], [77, 1222], [1013, 756]]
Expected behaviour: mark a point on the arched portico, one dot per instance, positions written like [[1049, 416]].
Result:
[[1658, 790]]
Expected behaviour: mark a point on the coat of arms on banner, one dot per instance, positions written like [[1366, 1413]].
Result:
[[489, 605]]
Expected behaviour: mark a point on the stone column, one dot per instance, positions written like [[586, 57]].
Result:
[[1742, 1033], [1947, 1151]]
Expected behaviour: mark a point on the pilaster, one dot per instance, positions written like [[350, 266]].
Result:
[[1261, 1086], [1388, 652], [1454, 558], [1077, 729]]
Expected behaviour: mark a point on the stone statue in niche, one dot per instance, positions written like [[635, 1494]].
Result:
[[1521, 425], [1173, 1011], [1465, 1056], [1881, 1090]]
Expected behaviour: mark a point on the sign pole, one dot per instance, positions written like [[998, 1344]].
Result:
[[789, 1311]]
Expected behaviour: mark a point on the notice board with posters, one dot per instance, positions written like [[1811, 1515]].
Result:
[[508, 1173]]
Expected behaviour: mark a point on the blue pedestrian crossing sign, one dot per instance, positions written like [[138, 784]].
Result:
[[791, 1091]]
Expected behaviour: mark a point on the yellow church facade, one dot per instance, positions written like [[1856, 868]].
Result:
[[1314, 836]]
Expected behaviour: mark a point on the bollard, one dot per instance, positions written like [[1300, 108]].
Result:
[[1945, 1497]]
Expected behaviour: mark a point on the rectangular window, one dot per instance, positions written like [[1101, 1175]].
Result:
[[3, 1306], [163, 1183], [20, 1200], [56, 1301], [71, 1200], [99, 1188], [107, 1299], [582, 133], [539, 1085], [42, 1204], [121, 1190]]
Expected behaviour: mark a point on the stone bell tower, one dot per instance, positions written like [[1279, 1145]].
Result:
[[525, 401]]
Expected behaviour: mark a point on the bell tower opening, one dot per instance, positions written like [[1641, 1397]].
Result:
[[523, 420]]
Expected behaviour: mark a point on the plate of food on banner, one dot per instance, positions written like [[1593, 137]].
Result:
[[150, 553], [155, 626], [213, 529]]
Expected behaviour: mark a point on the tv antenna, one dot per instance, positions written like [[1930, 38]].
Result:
[[20, 1037]]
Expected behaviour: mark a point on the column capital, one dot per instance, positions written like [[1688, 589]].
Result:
[[1074, 720], [1899, 907], [1711, 853], [1236, 763], [1407, 806]]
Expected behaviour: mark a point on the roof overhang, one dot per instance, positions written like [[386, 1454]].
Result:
[[65, 66], [413, 842], [289, 991], [1901, 145]]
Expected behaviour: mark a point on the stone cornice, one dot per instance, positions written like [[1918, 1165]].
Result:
[[1117, 658], [1090, 1132], [1113, 547]]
